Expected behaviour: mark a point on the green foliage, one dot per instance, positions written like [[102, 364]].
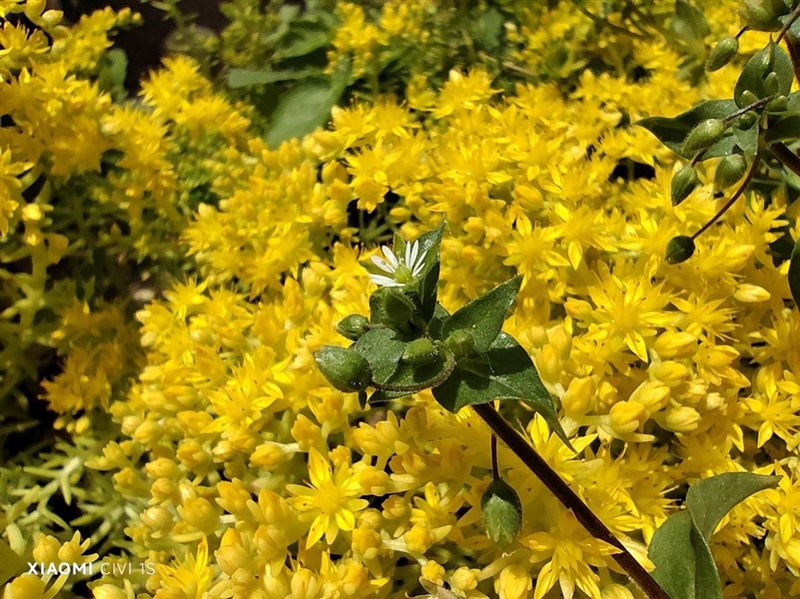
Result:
[[306, 106], [685, 568], [762, 119], [464, 357]]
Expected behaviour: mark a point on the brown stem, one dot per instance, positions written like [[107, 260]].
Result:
[[793, 45], [495, 468], [793, 16], [569, 499], [750, 174], [788, 158]]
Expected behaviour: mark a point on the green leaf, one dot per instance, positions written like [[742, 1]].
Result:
[[685, 568], [672, 131], [747, 139], [11, 563], [436, 324], [689, 23], [306, 106], [303, 39], [794, 274], [382, 350], [487, 29], [248, 77], [512, 376], [483, 317], [710, 499], [784, 127], [771, 58]]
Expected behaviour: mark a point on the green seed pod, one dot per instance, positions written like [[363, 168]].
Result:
[[722, 54], [679, 249], [778, 104], [771, 84], [502, 512], [762, 15], [461, 343], [748, 98], [702, 136], [729, 170], [747, 120], [353, 326], [420, 351], [344, 368], [683, 183]]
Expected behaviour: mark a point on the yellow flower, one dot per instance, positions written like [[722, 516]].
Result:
[[332, 499], [192, 575]]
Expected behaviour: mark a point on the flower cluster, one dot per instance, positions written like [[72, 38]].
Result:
[[244, 474]]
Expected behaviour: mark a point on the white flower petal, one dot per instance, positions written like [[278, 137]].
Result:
[[390, 257], [384, 281], [380, 263], [411, 255]]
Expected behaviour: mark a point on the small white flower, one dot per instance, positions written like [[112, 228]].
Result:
[[399, 272]]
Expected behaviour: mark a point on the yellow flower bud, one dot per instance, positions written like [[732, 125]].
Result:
[[670, 373], [159, 518], [579, 398], [108, 591], [419, 539], [675, 343], [199, 512], [366, 542], [681, 420], [626, 416], [304, 585], [751, 293], [616, 591], [234, 497], [652, 395], [433, 571], [464, 579], [163, 468], [192, 455], [514, 582], [32, 213], [231, 556], [26, 586], [46, 550], [549, 365], [561, 341], [165, 490]]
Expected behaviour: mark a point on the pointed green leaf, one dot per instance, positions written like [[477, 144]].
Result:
[[249, 77], [771, 59], [436, 324], [382, 350], [513, 376], [307, 106], [685, 568], [483, 317], [672, 131], [794, 274], [784, 127], [710, 499]]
